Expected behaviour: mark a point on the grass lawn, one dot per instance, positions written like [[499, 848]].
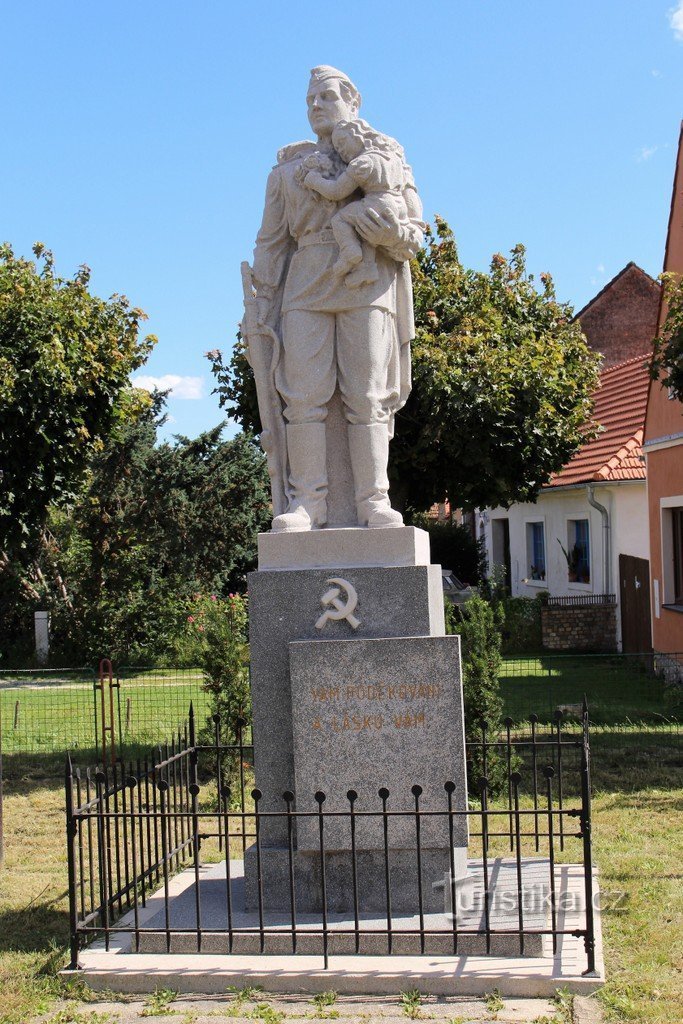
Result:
[[637, 782], [638, 848], [619, 689], [53, 715]]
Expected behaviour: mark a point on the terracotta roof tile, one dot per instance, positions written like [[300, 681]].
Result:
[[617, 452]]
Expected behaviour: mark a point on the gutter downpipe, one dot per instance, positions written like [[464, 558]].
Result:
[[606, 537]]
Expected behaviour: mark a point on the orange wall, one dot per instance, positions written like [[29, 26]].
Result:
[[664, 477], [664, 418]]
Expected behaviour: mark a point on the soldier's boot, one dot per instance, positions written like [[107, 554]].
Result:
[[369, 450], [307, 457]]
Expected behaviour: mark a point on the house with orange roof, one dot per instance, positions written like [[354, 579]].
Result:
[[663, 449], [588, 530]]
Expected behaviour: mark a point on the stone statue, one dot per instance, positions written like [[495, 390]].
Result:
[[329, 307]]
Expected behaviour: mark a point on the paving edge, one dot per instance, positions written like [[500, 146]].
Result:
[[347, 975]]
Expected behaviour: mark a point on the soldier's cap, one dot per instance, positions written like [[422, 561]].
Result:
[[324, 72]]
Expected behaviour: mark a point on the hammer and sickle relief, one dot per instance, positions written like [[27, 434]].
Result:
[[337, 608]]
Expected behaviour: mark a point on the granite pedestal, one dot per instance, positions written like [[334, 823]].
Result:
[[354, 686]]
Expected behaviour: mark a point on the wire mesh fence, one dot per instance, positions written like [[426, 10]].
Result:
[[49, 711], [153, 702], [635, 700], [43, 711]]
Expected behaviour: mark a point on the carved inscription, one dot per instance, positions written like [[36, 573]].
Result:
[[346, 711], [377, 713]]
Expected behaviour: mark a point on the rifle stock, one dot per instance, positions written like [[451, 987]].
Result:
[[263, 352]]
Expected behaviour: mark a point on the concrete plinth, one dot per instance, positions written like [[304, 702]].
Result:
[[355, 688], [374, 929], [448, 974], [343, 548]]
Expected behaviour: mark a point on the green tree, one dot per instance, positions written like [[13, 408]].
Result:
[[152, 525], [478, 624], [214, 638], [667, 362], [65, 362], [502, 383]]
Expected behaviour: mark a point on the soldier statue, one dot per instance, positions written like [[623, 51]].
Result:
[[311, 329]]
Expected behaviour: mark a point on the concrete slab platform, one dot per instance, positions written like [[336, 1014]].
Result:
[[238, 1008], [121, 970], [373, 938]]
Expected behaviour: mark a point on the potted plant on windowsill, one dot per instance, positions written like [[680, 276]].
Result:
[[572, 558]]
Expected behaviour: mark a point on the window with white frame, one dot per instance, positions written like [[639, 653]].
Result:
[[578, 551], [535, 551], [672, 545], [672, 550]]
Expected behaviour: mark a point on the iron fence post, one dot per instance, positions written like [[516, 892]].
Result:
[[71, 832], [194, 784], [2, 827], [587, 843], [320, 800]]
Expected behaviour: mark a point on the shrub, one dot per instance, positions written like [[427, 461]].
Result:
[[215, 640], [522, 632], [478, 623]]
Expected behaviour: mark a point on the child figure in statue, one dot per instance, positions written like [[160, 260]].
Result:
[[376, 166]]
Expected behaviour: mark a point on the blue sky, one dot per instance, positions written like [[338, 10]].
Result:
[[137, 137]]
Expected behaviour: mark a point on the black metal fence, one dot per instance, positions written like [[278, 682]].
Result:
[[142, 836], [581, 600]]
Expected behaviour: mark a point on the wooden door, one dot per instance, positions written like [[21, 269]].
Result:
[[634, 592]]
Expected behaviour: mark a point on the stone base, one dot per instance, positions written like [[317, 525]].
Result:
[[377, 713], [348, 547], [342, 939], [370, 874], [285, 606]]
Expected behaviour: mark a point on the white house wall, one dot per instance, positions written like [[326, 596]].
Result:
[[627, 506], [631, 529]]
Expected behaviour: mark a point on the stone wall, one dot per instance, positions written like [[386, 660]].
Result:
[[580, 628], [621, 321]]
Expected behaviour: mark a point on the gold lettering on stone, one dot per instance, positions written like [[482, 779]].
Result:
[[352, 696]]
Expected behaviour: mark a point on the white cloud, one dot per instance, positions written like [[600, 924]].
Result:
[[190, 388], [647, 151], [656, 73], [600, 268], [676, 21]]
